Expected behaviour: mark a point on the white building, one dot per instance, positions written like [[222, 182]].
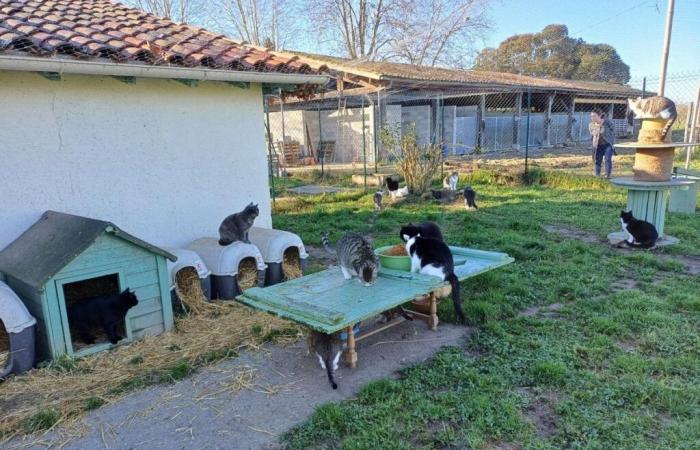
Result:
[[150, 124]]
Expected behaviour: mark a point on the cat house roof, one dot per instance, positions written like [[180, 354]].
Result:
[[54, 241]]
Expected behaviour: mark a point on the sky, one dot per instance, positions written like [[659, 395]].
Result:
[[634, 27]]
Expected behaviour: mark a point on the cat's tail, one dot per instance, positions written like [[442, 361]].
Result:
[[326, 243], [456, 300], [667, 127], [330, 365]]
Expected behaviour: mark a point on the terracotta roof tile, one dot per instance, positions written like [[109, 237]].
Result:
[[104, 29]]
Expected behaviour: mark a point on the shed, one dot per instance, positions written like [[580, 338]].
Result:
[[62, 259]]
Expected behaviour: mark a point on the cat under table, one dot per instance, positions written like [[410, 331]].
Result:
[[327, 302]]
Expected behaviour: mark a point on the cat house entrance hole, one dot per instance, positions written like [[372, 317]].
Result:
[[291, 264], [83, 290], [247, 274], [189, 289], [4, 347]]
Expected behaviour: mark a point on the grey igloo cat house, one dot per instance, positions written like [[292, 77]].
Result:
[[17, 334], [282, 251], [234, 267], [187, 259]]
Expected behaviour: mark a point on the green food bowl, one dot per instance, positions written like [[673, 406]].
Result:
[[404, 262]]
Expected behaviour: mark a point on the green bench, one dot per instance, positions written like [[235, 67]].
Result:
[[326, 302]]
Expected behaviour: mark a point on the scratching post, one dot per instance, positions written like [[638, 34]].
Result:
[[649, 189]]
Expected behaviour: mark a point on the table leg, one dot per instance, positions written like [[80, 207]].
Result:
[[433, 320], [350, 354]]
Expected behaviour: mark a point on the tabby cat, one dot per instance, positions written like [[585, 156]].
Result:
[[356, 257], [654, 108], [236, 226], [378, 200], [106, 312], [328, 348]]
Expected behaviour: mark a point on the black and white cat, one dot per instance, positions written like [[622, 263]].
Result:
[[394, 190], [431, 256], [426, 229], [236, 226], [356, 257], [106, 312], [640, 233], [378, 200], [327, 348], [469, 198]]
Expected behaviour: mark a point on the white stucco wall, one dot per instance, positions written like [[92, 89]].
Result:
[[164, 161]]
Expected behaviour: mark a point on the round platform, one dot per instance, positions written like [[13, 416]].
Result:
[[618, 237], [632, 184], [647, 145]]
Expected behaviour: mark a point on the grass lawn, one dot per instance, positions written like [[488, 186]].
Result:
[[577, 345]]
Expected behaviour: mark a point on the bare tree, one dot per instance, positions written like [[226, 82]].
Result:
[[259, 22], [427, 32], [186, 11], [439, 32]]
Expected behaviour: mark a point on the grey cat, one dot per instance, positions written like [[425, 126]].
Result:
[[236, 226], [328, 348], [355, 257]]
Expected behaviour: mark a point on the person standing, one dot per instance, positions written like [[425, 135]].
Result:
[[603, 135]]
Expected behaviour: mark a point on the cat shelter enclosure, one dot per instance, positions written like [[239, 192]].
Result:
[[63, 259]]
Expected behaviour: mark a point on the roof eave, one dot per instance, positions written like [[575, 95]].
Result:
[[109, 68]]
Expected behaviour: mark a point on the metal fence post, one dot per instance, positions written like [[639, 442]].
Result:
[[527, 131], [269, 150], [321, 151], [364, 142]]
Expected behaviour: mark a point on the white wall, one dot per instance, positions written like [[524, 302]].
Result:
[[163, 161]]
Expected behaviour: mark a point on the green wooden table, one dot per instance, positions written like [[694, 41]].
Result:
[[326, 302]]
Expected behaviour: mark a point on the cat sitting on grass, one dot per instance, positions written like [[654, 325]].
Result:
[[639, 233]]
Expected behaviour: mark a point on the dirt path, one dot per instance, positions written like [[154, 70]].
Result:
[[281, 388]]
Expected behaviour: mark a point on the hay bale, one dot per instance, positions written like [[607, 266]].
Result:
[[189, 290], [291, 264], [247, 274], [653, 164], [4, 346]]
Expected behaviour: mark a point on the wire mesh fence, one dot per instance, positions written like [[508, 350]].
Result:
[[343, 131]]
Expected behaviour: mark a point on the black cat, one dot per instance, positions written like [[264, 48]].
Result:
[[426, 229], [640, 233], [392, 185], [469, 198], [236, 226], [433, 257], [106, 312]]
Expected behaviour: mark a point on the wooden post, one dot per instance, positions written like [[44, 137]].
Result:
[[548, 121], [517, 116], [667, 44], [350, 354], [688, 122], [481, 121], [433, 320], [570, 119], [693, 129]]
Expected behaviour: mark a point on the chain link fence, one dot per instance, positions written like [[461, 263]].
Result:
[[342, 131]]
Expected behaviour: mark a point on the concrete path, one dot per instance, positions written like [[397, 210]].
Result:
[[314, 189], [248, 402]]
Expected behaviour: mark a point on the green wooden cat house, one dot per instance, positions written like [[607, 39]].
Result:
[[63, 259]]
